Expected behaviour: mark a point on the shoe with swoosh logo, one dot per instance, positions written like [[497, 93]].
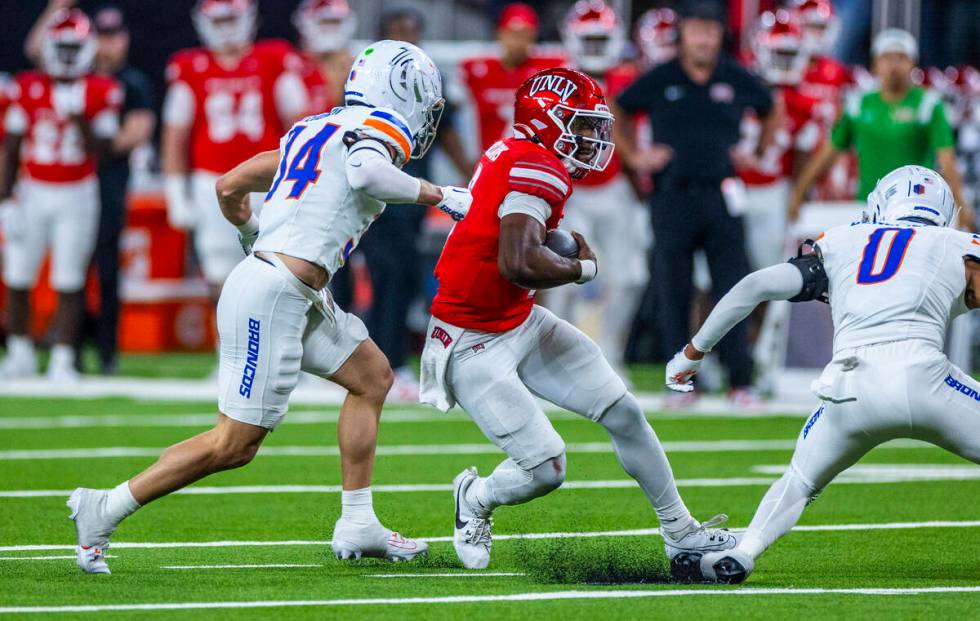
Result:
[[472, 536]]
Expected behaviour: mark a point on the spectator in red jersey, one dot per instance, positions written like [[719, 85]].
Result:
[[492, 81], [226, 101], [605, 207], [60, 123], [326, 28]]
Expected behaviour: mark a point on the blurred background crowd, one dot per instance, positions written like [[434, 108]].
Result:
[[743, 127]]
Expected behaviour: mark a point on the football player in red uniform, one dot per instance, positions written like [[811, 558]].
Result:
[[60, 120], [326, 28], [492, 81], [225, 102], [826, 81], [604, 206], [656, 36], [491, 349]]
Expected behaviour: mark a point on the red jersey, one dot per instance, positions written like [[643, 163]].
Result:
[[826, 81], [235, 115], [472, 293], [318, 88], [53, 149], [800, 131], [492, 87], [614, 82]]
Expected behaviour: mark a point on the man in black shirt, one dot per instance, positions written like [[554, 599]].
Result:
[[136, 126], [695, 104]]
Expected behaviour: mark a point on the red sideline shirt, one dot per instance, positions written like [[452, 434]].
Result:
[[472, 293]]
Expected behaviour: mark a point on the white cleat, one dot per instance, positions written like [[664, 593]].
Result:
[[91, 528], [686, 549], [728, 567], [356, 541], [18, 367], [62, 374], [472, 536]]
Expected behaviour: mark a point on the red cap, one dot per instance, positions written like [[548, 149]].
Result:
[[518, 15]]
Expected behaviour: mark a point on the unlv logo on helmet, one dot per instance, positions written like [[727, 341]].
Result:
[[560, 85]]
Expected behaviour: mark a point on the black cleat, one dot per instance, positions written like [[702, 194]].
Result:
[[729, 571], [686, 568]]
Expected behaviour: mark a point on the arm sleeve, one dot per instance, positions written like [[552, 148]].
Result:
[[940, 133], [842, 134], [178, 105], [637, 97], [292, 99], [369, 170], [518, 202], [779, 282]]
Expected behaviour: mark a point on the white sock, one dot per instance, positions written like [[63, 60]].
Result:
[[62, 356], [19, 346], [357, 506], [120, 503]]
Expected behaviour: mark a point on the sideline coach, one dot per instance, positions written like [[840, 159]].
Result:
[[695, 104]]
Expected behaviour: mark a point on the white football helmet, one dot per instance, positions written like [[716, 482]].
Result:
[[225, 24], [325, 25], [593, 36], [912, 193], [400, 76], [68, 46]]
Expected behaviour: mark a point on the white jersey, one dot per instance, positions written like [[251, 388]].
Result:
[[311, 211], [894, 282]]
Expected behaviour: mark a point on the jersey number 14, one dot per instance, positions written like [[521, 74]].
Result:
[[883, 255], [303, 169]]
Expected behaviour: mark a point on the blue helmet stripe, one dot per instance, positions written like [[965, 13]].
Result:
[[929, 209], [381, 114]]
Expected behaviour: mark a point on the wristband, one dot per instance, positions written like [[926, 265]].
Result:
[[249, 227], [589, 271]]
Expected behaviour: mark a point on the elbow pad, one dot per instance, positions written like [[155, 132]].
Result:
[[815, 281]]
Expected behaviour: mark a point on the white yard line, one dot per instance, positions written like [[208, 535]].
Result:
[[467, 599], [319, 393], [857, 475], [679, 446], [43, 558], [475, 574], [639, 532], [258, 566]]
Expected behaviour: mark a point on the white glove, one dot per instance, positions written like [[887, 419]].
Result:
[[180, 210], [455, 201], [248, 233], [680, 370], [68, 98]]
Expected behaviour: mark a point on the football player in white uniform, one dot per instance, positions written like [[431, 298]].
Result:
[[893, 284], [329, 179]]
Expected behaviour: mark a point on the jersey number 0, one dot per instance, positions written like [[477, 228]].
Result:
[[881, 261]]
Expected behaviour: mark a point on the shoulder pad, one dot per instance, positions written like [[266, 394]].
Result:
[[390, 128], [815, 281]]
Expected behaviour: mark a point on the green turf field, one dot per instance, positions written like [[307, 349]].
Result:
[[863, 536]]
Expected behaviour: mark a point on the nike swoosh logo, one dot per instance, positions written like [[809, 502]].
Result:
[[355, 165], [459, 524]]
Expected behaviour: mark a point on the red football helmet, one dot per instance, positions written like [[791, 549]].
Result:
[[564, 110], [68, 46], [656, 35], [781, 56], [325, 25], [593, 36], [820, 25], [225, 25]]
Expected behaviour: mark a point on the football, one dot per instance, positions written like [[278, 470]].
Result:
[[561, 243]]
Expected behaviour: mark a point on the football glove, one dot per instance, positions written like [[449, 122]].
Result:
[[680, 371], [455, 201], [248, 233], [181, 214]]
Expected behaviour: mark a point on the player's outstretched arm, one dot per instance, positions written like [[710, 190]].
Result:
[[369, 169], [778, 282], [524, 260]]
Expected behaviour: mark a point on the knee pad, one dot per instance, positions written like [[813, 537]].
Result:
[[549, 476], [624, 416]]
